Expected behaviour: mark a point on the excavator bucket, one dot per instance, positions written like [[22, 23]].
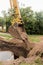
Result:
[[20, 34]]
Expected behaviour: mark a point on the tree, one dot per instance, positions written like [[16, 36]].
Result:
[[7, 19], [39, 22], [2, 22], [28, 18]]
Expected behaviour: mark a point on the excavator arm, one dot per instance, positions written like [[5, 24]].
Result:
[[17, 25], [17, 29], [14, 5]]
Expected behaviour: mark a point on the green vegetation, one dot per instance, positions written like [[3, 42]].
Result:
[[33, 21], [6, 19], [11, 64], [23, 63], [34, 38], [39, 61], [0, 63], [5, 36]]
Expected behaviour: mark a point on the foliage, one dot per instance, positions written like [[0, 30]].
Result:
[[33, 21], [7, 18], [1, 21], [28, 18], [39, 23]]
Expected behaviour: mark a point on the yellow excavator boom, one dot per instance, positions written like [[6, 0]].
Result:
[[14, 4]]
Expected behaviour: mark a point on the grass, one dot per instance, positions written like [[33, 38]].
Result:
[[39, 61], [34, 38], [6, 36], [23, 63], [0, 63], [30, 64]]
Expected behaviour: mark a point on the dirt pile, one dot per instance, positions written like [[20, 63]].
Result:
[[37, 50], [24, 61], [19, 49], [16, 46]]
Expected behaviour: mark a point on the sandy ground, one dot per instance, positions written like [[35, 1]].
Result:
[[36, 52]]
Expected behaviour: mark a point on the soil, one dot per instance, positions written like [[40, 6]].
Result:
[[35, 52], [38, 49]]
